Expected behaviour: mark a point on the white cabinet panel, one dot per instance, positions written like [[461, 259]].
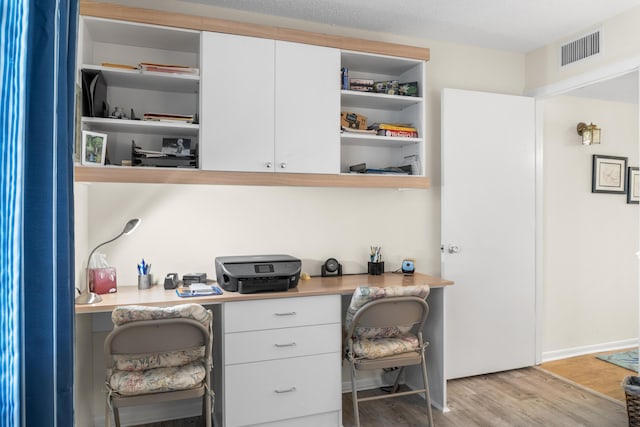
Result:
[[254, 346], [281, 313], [307, 108], [237, 97], [282, 389]]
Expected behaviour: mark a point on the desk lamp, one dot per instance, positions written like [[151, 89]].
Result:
[[88, 297]]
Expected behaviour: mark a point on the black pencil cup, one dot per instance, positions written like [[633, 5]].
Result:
[[376, 268]]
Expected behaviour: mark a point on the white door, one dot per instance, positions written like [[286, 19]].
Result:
[[237, 103], [488, 231], [307, 108]]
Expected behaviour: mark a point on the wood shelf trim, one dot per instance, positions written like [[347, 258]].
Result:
[[170, 19], [118, 174]]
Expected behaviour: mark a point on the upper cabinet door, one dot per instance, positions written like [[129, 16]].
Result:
[[307, 108], [237, 103]]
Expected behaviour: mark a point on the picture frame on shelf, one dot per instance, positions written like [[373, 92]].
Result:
[[633, 185], [609, 174], [94, 147]]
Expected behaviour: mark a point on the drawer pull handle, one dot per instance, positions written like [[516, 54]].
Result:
[[288, 390], [291, 344], [290, 313]]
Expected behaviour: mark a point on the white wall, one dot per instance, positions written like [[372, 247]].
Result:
[[590, 239], [619, 45]]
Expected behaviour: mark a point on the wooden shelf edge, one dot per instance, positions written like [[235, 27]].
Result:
[[170, 19], [117, 174]]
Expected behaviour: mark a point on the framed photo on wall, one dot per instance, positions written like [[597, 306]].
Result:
[[609, 174], [94, 146], [633, 185]]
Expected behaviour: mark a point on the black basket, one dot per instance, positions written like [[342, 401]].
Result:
[[631, 387]]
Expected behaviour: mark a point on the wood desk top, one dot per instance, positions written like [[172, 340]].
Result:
[[343, 285]]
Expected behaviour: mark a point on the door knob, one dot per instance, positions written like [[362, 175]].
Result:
[[453, 249], [283, 165], [268, 165]]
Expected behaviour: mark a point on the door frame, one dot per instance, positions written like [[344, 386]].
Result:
[[541, 94]]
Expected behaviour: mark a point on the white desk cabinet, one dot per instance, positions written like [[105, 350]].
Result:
[[281, 362], [269, 106]]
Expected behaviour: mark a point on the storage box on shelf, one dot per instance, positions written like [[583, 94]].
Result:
[[377, 151], [116, 49]]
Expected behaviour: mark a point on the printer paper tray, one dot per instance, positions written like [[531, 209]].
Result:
[[249, 286]]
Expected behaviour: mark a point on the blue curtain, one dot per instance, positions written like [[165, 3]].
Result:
[[12, 102], [36, 190]]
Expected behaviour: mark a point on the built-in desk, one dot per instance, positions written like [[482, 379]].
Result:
[[328, 290]]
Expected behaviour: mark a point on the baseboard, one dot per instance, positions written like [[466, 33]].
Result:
[[596, 348]]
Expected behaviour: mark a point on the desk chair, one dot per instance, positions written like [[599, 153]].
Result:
[[156, 355], [384, 330]]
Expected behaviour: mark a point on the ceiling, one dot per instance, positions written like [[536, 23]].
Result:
[[513, 25]]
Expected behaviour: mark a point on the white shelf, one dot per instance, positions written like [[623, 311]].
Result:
[[136, 79], [377, 141], [140, 126], [378, 64], [354, 99]]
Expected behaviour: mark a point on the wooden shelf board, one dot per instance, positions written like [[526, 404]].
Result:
[[146, 126], [120, 174], [135, 79], [350, 98], [183, 21], [368, 140]]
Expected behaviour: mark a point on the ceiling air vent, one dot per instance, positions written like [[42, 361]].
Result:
[[579, 49]]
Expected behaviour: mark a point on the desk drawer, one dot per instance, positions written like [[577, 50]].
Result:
[[281, 313], [263, 392], [254, 346]]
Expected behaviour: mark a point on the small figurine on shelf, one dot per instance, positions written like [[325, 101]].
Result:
[[118, 113]]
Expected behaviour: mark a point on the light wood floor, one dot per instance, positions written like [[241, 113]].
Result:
[[592, 373], [524, 397]]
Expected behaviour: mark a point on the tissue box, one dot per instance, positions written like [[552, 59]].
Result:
[[103, 280]]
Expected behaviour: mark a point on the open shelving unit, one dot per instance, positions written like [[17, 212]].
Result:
[[109, 35]]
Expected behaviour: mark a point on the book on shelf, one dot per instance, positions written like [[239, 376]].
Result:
[[122, 66], [352, 130], [164, 117], [167, 68], [398, 133], [393, 126]]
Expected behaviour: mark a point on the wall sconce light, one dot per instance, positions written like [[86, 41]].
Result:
[[590, 133]]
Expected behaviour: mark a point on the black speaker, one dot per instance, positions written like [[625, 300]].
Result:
[[331, 267]]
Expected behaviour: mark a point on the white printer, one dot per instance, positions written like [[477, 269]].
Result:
[[258, 273]]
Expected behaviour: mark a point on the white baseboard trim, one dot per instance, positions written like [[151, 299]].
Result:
[[549, 356]]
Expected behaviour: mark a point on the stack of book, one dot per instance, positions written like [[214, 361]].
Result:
[[394, 129], [164, 117], [165, 68], [361, 85]]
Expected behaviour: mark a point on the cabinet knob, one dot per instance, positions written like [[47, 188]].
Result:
[[283, 165], [268, 165]]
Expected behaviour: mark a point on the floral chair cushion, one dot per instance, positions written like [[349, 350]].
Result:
[[142, 362], [365, 294], [132, 313], [382, 347], [129, 383]]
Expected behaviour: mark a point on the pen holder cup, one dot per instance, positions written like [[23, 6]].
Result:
[[376, 268], [144, 281]]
